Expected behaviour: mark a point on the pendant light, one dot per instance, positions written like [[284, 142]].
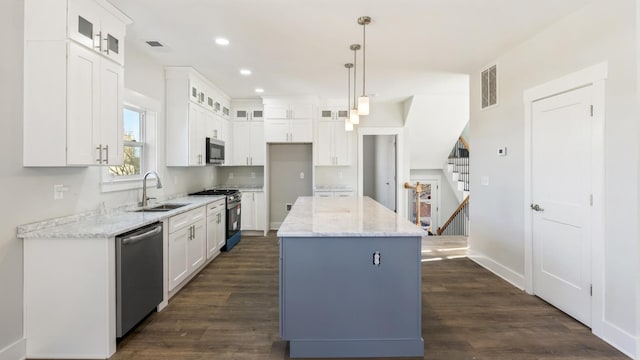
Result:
[[363, 101], [348, 126], [354, 117]]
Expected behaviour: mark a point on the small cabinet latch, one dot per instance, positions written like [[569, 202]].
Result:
[[377, 258]]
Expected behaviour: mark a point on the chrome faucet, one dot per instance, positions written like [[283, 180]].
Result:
[[144, 186]]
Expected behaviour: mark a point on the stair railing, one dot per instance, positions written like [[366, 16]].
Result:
[[458, 222], [459, 157]]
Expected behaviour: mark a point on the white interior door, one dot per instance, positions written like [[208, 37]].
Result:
[[561, 201]]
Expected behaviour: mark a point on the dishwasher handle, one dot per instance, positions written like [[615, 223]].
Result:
[[136, 238]]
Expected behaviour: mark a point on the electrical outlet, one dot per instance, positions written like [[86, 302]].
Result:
[[175, 180], [288, 206], [58, 191], [302, 175], [340, 174], [502, 151], [253, 175], [230, 175]]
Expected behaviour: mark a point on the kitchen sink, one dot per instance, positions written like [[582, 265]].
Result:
[[163, 207]]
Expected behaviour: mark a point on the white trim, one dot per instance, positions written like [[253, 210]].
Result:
[[616, 337], [401, 203], [594, 76], [17, 350], [504, 272]]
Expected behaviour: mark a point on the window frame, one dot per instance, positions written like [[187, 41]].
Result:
[[150, 111]]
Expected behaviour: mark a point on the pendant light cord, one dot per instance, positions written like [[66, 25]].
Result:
[[364, 58]]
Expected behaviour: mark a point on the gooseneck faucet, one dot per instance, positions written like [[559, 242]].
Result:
[[144, 186]]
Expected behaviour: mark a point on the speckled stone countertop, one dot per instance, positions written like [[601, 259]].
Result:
[[344, 216], [107, 224]]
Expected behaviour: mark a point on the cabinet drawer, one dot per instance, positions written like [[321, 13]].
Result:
[[215, 206], [185, 219]]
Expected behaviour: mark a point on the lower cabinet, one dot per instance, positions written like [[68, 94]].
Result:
[[333, 193], [215, 228], [187, 239], [253, 211]]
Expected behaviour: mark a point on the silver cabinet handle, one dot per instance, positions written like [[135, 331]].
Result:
[[536, 207], [106, 151], [99, 159], [99, 38]]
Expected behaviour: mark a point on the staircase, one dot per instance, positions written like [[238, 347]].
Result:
[[458, 166]]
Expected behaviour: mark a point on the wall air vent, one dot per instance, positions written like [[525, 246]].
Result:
[[490, 87], [154, 43]]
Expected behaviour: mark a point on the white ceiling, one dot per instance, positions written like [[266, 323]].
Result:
[[299, 47]]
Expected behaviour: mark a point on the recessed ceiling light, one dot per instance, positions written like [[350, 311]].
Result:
[[259, 90], [222, 41], [245, 71]]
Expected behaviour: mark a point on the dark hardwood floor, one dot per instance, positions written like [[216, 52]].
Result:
[[230, 311]]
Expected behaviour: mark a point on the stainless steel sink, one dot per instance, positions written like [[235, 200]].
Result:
[[163, 207]]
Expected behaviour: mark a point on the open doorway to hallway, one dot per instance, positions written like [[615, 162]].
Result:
[[379, 169]]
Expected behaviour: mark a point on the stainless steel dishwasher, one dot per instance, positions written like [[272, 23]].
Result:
[[138, 275]]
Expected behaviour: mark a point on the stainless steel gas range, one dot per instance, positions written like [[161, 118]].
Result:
[[233, 213]]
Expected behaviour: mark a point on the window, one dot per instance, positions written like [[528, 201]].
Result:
[[134, 143], [139, 153]]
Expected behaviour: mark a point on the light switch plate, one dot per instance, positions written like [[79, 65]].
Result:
[[484, 180], [301, 175]]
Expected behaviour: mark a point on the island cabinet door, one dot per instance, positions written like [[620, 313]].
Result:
[[350, 288]]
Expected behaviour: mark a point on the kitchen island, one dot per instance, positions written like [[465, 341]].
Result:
[[350, 281]]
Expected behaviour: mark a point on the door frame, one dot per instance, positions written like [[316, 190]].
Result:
[[437, 179], [594, 76], [401, 201]]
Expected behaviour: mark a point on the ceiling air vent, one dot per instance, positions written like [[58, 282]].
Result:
[[489, 87], [154, 43]]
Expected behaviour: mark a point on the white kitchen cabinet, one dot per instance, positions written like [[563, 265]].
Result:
[[73, 103], [190, 118], [248, 114], [333, 193], [291, 122], [96, 28], [333, 144], [248, 143], [253, 213], [215, 228], [187, 245]]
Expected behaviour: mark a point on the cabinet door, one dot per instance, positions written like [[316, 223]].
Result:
[[248, 211], [84, 23], [301, 131], [112, 33], [257, 156], [212, 235], [276, 112], [241, 143], [241, 114], [260, 210], [111, 119], [83, 111], [212, 126], [324, 146], [178, 262], [257, 115], [222, 228], [276, 131], [341, 144], [196, 135], [197, 244], [301, 111], [195, 89]]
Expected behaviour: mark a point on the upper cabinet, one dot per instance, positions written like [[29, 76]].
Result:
[[288, 120], [73, 83], [96, 28], [192, 116]]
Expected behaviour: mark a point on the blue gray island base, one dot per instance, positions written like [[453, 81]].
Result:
[[351, 296]]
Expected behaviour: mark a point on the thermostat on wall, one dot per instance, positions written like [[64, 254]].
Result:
[[502, 151]]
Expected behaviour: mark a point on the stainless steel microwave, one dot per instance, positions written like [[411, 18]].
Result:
[[215, 151]]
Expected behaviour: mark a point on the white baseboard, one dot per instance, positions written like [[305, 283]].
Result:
[[618, 338], [15, 351], [498, 269]]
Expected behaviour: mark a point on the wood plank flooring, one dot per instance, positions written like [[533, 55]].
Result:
[[230, 311]]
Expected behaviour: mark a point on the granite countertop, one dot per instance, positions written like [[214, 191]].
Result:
[[108, 223], [333, 188], [344, 216]]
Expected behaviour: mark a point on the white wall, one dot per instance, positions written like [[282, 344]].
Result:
[[27, 193], [286, 162], [601, 31]]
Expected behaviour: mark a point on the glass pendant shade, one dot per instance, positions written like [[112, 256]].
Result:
[[363, 105], [354, 118], [348, 126]]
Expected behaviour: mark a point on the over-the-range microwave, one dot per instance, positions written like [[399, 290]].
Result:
[[215, 151]]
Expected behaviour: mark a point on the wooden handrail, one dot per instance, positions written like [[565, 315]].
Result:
[[464, 142], [453, 216]]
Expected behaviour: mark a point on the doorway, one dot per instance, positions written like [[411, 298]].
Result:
[[379, 169], [564, 193]]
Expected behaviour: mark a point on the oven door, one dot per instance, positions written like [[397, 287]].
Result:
[[233, 218]]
